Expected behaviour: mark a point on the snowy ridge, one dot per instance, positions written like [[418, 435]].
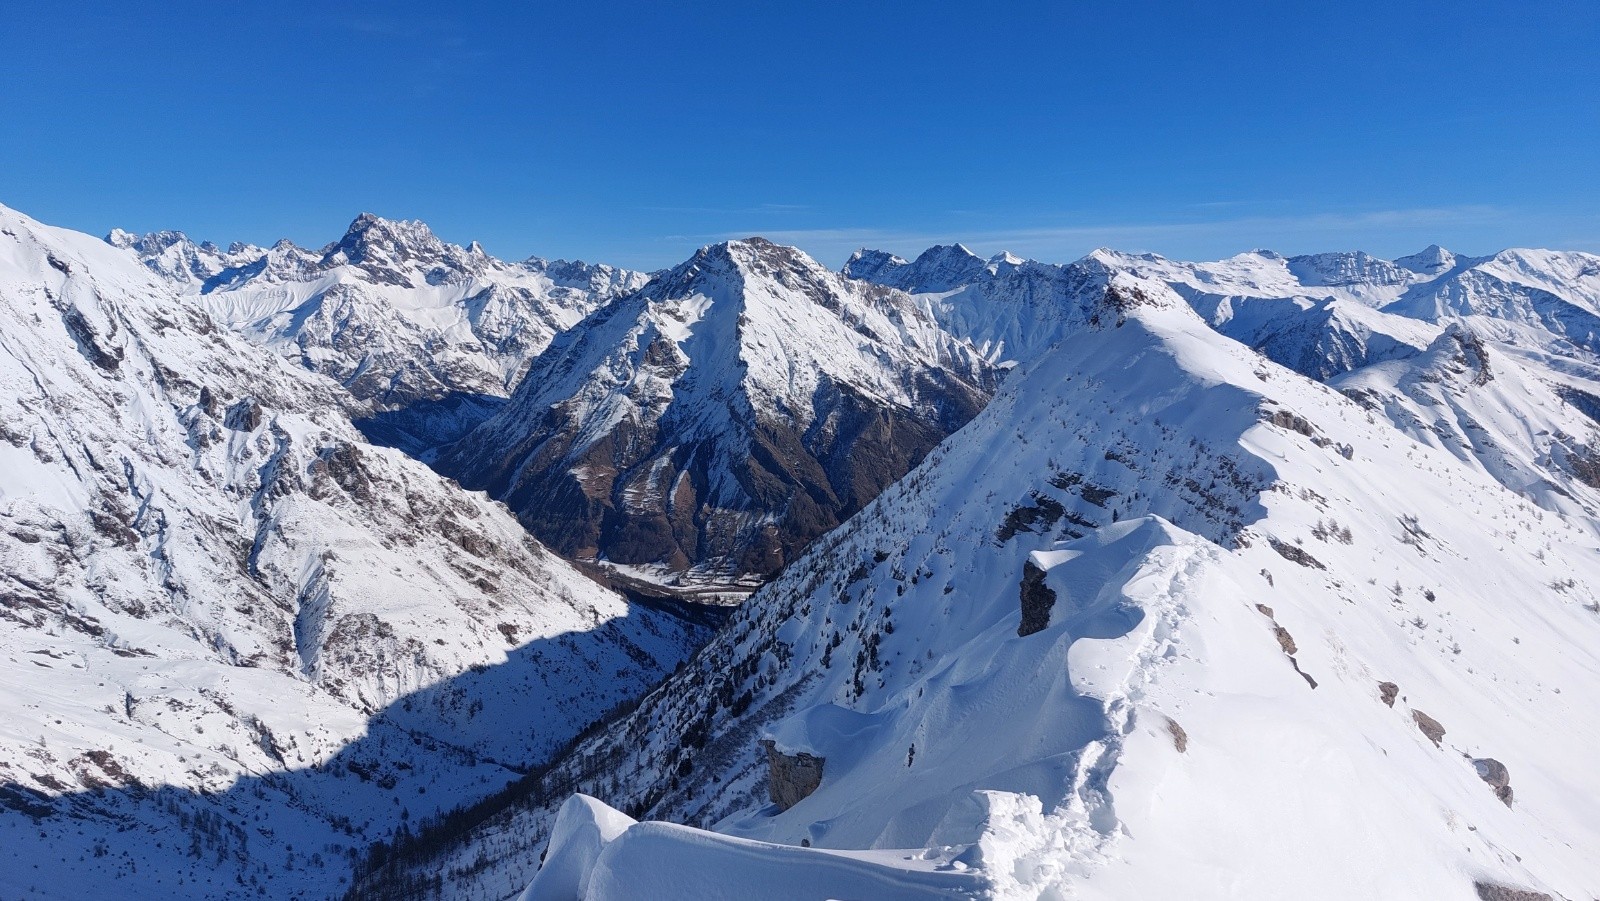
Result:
[[1321, 315], [220, 606], [1253, 589], [736, 407], [390, 311]]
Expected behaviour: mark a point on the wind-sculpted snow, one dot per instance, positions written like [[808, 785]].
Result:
[[394, 314], [238, 644], [599, 854], [737, 407], [1283, 631]]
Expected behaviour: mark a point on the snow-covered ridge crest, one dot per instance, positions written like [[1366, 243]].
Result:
[[1320, 314]]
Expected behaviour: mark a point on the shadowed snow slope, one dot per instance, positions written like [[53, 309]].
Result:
[[1280, 640], [225, 619]]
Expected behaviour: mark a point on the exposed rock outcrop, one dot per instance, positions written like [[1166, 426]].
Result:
[[243, 416], [1491, 891], [1429, 726], [1387, 692], [1037, 599], [791, 777], [1180, 738], [1495, 773]]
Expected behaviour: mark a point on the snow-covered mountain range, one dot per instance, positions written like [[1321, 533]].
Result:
[[1266, 577], [1168, 618], [435, 335], [219, 605], [716, 421]]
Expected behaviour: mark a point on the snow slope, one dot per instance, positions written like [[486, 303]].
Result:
[[238, 643], [714, 422], [1165, 620]]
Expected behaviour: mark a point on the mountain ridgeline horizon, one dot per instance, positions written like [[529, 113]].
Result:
[[391, 569]]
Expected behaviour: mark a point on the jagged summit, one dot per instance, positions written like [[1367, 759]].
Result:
[[403, 253], [939, 268], [1355, 268], [872, 265]]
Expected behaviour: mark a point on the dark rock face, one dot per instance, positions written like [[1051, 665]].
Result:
[[1491, 891], [1387, 692], [1294, 554], [637, 496], [1429, 726], [1495, 773], [88, 340], [1037, 599], [1294, 422], [243, 416], [791, 777], [1180, 738]]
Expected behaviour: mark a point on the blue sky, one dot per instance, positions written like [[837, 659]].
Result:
[[635, 132]]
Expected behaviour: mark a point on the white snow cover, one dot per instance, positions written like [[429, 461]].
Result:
[[226, 619], [599, 854], [1204, 716], [389, 310], [1324, 629]]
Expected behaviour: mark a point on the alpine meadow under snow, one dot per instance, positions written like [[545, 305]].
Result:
[[393, 570]]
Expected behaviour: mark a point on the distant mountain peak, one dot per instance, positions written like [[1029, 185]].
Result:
[[872, 265], [942, 267], [1429, 261]]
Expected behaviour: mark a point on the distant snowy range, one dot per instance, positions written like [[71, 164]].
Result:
[[392, 570]]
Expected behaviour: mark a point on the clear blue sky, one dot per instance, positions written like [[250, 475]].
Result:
[[634, 132]]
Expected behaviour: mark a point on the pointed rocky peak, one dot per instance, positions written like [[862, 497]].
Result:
[[370, 236], [877, 266], [149, 245], [1433, 260], [397, 252], [941, 268], [730, 270]]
